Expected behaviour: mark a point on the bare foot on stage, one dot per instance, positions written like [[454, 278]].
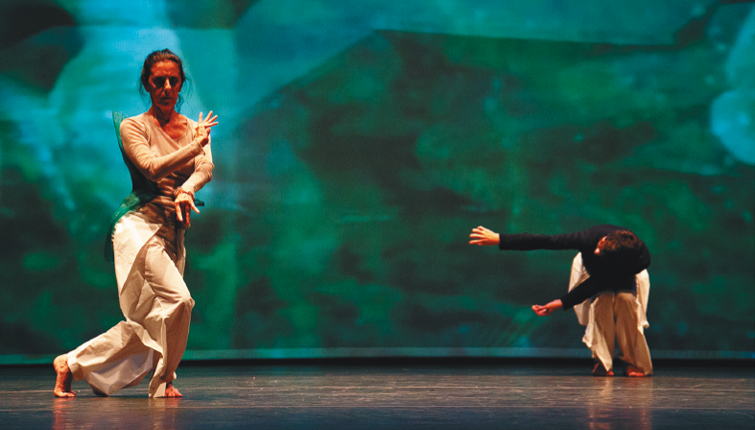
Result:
[[64, 379], [599, 370], [635, 372], [171, 391]]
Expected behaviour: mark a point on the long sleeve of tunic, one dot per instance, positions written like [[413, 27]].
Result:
[[604, 274]]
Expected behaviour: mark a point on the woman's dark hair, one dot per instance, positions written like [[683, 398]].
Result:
[[154, 58], [621, 245]]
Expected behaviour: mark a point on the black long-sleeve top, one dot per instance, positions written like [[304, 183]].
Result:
[[605, 274]]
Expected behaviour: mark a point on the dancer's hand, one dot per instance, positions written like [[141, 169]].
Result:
[[482, 236], [548, 308], [184, 202], [204, 126]]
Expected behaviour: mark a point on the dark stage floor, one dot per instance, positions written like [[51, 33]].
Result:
[[428, 395]]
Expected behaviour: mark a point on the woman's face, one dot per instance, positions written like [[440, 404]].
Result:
[[164, 84]]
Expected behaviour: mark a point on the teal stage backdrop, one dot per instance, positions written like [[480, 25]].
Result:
[[360, 142]]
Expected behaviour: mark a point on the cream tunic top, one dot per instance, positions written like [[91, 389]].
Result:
[[170, 163]]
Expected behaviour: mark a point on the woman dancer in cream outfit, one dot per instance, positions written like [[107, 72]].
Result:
[[173, 152]]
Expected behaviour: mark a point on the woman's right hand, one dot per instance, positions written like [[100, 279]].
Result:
[[184, 204], [482, 236], [204, 126]]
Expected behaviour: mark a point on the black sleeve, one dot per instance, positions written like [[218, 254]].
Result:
[[582, 292], [526, 242], [596, 284]]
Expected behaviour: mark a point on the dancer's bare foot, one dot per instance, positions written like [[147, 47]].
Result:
[[171, 391], [635, 372], [599, 370], [64, 378]]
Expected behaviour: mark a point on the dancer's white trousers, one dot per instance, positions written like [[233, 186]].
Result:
[[149, 263], [615, 316]]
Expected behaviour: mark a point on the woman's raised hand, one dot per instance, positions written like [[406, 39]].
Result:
[[204, 126]]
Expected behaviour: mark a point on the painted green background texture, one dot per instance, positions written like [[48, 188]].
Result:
[[358, 145]]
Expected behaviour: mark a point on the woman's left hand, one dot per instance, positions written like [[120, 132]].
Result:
[[548, 308], [204, 126], [184, 205]]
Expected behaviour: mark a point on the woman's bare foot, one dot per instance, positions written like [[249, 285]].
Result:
[[171, 391], [635, 372], [64, 378], [599, 370]]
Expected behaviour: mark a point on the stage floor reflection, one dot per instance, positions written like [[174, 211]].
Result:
[[412, 395]]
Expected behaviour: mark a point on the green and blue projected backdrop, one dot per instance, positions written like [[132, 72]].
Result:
[[360, 142]]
